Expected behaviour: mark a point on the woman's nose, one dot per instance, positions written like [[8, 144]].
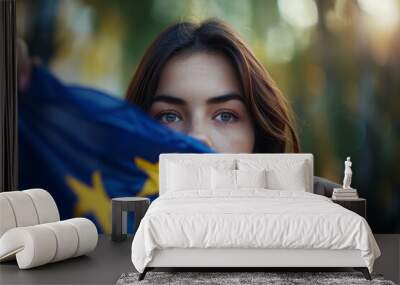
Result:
[[198, 128], [201, 137]]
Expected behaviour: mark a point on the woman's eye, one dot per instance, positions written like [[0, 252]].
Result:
[[226, 117], [168, 118]]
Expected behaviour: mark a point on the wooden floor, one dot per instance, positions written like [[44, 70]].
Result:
[[110, 260]]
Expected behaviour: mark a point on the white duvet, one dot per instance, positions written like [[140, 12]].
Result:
[[253, 218]]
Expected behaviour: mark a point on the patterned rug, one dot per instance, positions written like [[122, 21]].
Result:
[[229, 278]]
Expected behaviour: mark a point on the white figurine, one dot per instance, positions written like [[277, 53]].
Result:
[[347, 174]]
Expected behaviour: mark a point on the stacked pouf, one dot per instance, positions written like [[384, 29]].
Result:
[[31, 230]]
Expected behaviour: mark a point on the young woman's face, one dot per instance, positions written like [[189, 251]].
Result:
[[199, 94]]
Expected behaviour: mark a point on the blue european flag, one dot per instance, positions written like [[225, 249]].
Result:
[[86, 147]]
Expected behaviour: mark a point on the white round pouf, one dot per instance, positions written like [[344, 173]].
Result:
[[67, 239], [7, 218], [87, 234], [31, 232], [23, 208], [33, 246], [45, 205]]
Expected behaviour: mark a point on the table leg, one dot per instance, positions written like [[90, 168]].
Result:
[[116, 231]]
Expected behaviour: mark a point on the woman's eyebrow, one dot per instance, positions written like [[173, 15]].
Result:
[[224, 98], [168, 99]]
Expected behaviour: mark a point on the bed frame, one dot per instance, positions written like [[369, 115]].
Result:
[[249, 258]]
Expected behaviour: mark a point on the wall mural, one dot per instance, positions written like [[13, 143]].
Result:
[[89, 130]]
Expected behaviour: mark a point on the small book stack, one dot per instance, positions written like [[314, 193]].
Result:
[[344, 194]]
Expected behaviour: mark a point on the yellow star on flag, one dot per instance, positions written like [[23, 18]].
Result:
[[150, 187], [92, 199]]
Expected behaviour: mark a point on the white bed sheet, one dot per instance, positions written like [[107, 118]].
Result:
[[252, 218]]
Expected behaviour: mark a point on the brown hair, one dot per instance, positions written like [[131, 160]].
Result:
[[271, 114]]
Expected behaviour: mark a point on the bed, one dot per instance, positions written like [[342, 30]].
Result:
[[246, 211]]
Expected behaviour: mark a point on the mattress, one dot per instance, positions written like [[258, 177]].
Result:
[[251, 219]]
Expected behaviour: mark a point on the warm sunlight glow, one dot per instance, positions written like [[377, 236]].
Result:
[[299, 13], [384, 13]]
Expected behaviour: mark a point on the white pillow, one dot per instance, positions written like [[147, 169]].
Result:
[[236, 179], [181, 178], [193, 174], [281, 175], [223, 179], [292, 180], [251, 178]]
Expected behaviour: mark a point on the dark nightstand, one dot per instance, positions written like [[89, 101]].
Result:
[[358, 206], [120, 208]]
